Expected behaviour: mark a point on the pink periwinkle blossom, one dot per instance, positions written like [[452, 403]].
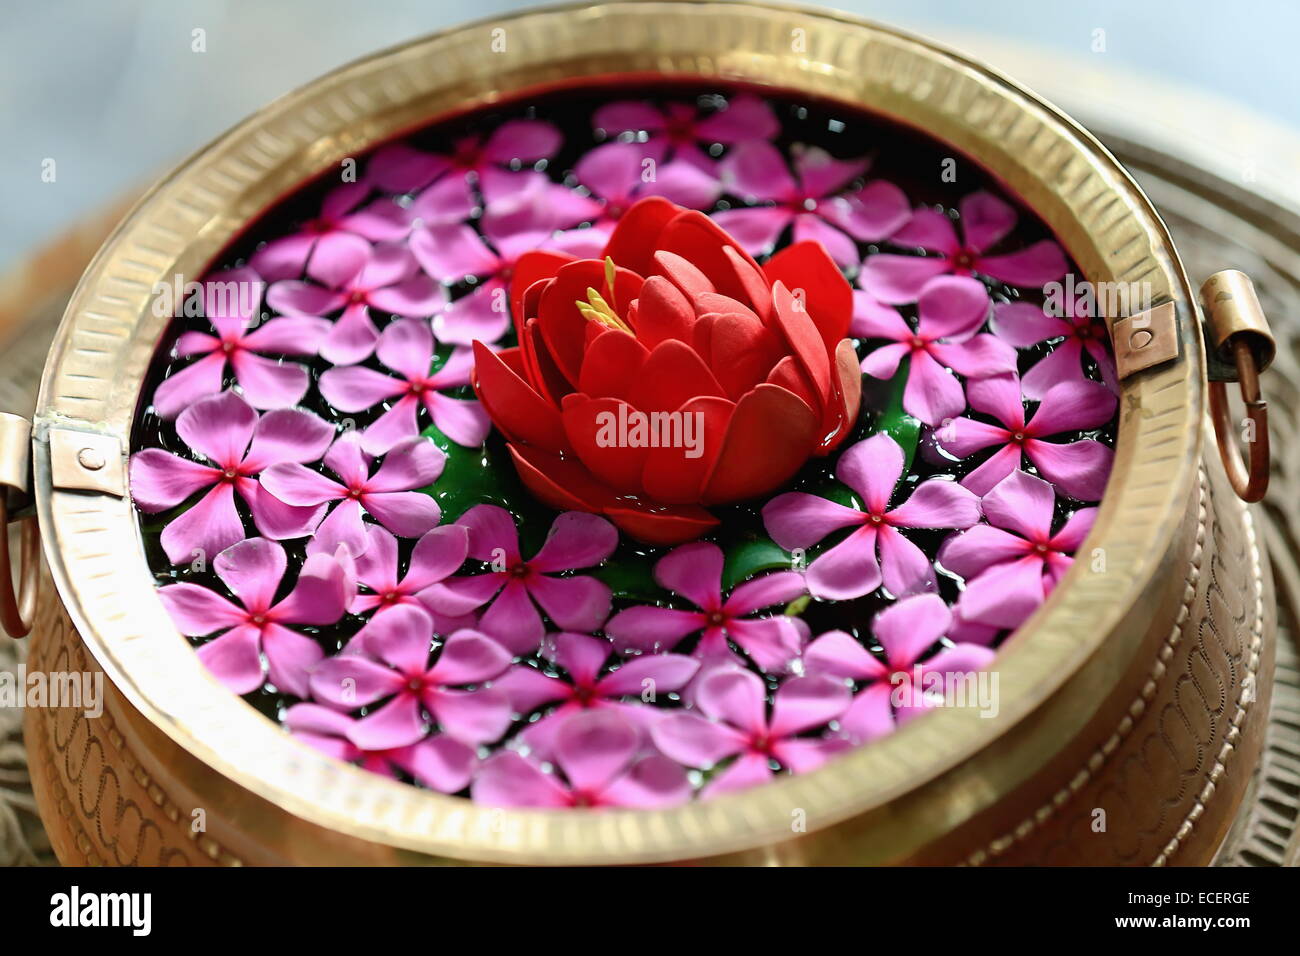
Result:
[[341, 214], [985, 221], [875, 551], [437, 555], [1012, 563], [951, 311], [354, 276], [401, 168], [618, 174], [388, 494], [226, 431], [529, 222], [401, 673], [1079, 468], [231, 300], [733, 721], [407, 347], [905, 684], [1023, 325], [681, 133], [694, 571], [438, 761], [810, 199], [516, 586], [579, 685], [603, 763], [257, 625]]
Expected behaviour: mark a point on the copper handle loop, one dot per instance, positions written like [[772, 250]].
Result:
[[1250, 485], [18, 608]]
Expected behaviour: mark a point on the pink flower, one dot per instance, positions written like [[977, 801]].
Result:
[[600, 755], [252, 570], [694, 571], [985, 221], [575, 603], [951, 311], [1012, 563], [1078, 468], [437, 555], [226, 431], [621, 173], [526, 223], [872, 468], [403, 675], [438, 761], [680, 130], [402, 169], [807, 200], [581, 658], [906, 630], [1023, 324], [406, 346], [355, 276], [381, 221], [231, 301], [387, 494], [738, 725]]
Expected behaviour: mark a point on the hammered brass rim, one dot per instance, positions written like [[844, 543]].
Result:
[[904, 791]]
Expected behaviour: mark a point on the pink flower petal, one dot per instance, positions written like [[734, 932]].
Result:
[[418, 297], [581, 655], [733, 696], [952, 307], [437, 554], [526, 140], [971, 552], [977, 357], [1023, 324], [234, 659], [822, 174], [292, 335], [483, 316], [873, 319], [842, 249], [848, 570], [898, 280], [908, 629], [652, 783], [219, 428], [206, 529], [799, 520], [872, 468], [593, 747], [182, 389], [449, 201], [685, 184], [160, 480], [197, 611], [904, 567], [323, 591], [354, 388], [756, 229], [528, 688], [932, 394], [410, 464], [694, 741], [351, 681], [871, 214], [962, 437], [1023, 504], [803, 703], [396, 724], [576, 540], [1029, 268], [492, 534], [469, 657], [883, 362], [507, 779], [693, 571], [659, 673], [283, 258], [999, 396], [773, 643], [937, 503], [1062, 364], [749, 770], [1071, 406], [351, 339], [1080, 469], [612, 171], [439, 762], [838, 654], [931, 230], [290, 657], [408, 514], [579, 603], [1000, 464], [462, 420], [764, 591], [449, 253], [268, 383], [746, 116], [870, 716], [1076, 528], [756, 170], [1006, 594], [398, 168], [648, 629], [341, 527], [985, 220], [296, 297], [513, 620], [472, 717], [625, 116], [252, 569]]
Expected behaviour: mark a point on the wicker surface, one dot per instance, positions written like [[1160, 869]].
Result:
[[1216, 223]]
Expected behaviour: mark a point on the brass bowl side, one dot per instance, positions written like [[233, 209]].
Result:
[[1068, 658]]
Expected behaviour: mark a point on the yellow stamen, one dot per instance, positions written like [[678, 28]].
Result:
[[609, 280], [596, 309]]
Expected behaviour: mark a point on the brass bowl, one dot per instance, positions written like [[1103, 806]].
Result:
[[1138, 689]]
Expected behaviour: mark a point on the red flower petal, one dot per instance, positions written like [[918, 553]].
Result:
[[612, 365], [768, 439], [520, 413], [563, 327], [663, 525], [561, 483], [827, 295], [671, 377], [611, 461], [701, 241], [540, 368], [742, 352], [842, 413], [669, 475], [662, 312], [805, 341], [746, 275], [788, 375], [636, 236], [529, 268], [682, 273]]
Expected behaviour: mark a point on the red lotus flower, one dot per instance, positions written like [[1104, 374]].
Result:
[[672, 374]]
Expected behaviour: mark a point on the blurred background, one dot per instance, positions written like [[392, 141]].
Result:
[[115, 92]]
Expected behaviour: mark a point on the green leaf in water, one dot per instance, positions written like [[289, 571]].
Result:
[[749, 557]]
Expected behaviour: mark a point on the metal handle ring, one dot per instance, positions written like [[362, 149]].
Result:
[[1250, 485]]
